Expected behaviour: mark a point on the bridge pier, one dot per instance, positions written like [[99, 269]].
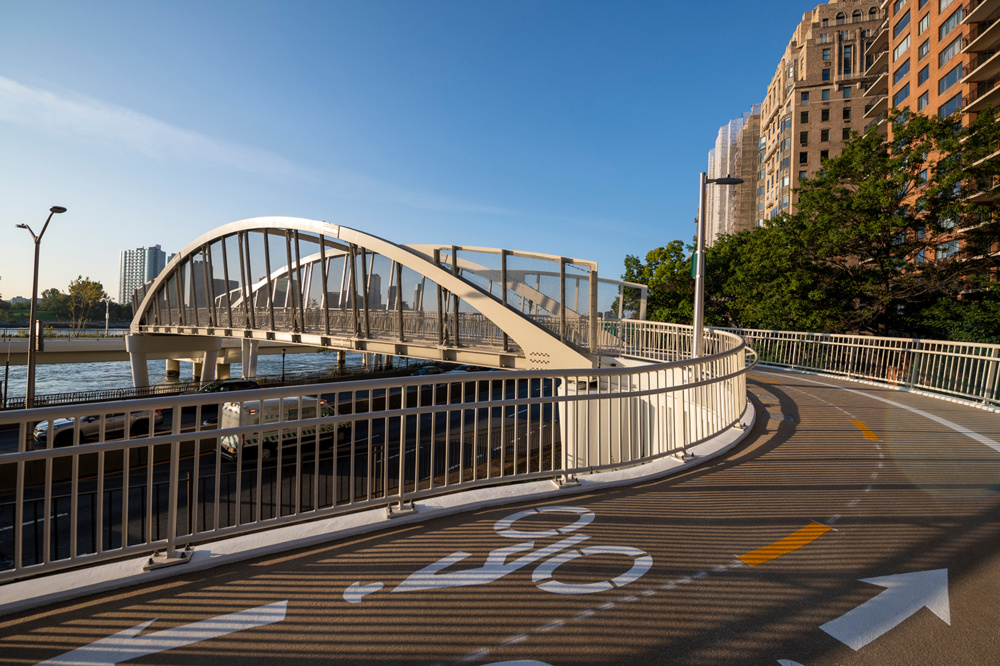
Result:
[[173, 368], [202, 350], [249, 349]]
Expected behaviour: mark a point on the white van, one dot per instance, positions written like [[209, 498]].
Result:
[[282, 413]]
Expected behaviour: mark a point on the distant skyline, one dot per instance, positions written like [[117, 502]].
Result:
[[574, 128]]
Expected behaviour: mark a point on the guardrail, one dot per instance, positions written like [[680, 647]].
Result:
[[165, 484], [966, 370]]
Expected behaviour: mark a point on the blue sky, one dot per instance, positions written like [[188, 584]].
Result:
[[574, 128]]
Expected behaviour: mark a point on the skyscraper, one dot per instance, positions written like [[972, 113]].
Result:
[[136, 268]]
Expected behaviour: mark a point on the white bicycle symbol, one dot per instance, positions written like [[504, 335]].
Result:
[[499, 563]]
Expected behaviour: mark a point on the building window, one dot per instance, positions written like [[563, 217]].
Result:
[[804, 138], [848, 56], [841, 18], [856, 16], [803, 158], [825, 94], [847, 92], [826, 54], [824, 155], [901, 24], [925, 23], [804, 97], [923, 74], [922, 180], [903, 70], [824, 135], [824, 38], [897, 6], [847, 113], [826, 74], [872, 14], [803, 116], [943, 5], [846, 134], [901, 49], [903, 93], [920, 4], [824, 22], [950, 79], [951, 106], [824, 115], [947, 250], [803, 175], [923, 101], [920, 257], [950, 24], [950, 51]]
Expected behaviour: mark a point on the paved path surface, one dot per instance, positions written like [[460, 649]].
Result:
[[856, 525]]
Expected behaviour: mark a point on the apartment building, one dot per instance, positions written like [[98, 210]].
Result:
[[815, 99], [731, 209], [137, 267]]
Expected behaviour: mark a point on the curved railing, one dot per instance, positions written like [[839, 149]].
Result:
[[410, 438], [966, 370]]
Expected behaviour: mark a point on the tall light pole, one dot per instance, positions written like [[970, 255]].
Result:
[[699, 276], [107, 312], [29, 396]]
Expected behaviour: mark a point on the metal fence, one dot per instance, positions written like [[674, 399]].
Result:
[[961, 369], [166, 483]]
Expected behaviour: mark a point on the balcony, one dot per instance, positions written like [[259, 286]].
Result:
[[880, 86], [881, 62], [983, 36], [880, 125], [986, 94], [881, 39], [983, 68], [879, 106], [981, 12]]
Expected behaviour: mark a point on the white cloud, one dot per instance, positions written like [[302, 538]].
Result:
[[88, 119]]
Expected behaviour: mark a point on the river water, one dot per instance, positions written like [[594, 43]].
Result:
[[71, 377]]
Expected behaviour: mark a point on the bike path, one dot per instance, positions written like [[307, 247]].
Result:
[[761, 556]]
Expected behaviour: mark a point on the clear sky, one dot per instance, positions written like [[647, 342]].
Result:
[[574, 128]]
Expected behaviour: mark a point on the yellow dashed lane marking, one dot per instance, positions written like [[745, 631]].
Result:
[[803, 537], [761, 379], [865, 430]]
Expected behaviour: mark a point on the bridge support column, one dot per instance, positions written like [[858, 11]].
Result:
[[173, 367], [173, 348], [140, 373], [249, 357]]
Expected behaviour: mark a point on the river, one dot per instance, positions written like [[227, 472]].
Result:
[[71, 377]]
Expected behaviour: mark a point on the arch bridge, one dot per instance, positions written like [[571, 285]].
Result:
[[307, 282]]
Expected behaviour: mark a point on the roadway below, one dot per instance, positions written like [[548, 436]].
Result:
[[854, 525]]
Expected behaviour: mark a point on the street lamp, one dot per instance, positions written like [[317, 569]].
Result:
[[699, 279], [29, 396], [107, 312]]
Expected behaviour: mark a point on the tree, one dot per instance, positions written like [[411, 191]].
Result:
[[889, 223], [55, 302], [667, 273], [84, 293]]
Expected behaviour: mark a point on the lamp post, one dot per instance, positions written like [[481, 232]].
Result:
[[282, 364], [29, 396], [699, 279], [107, 312]]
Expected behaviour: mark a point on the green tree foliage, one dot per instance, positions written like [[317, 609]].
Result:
[[887, 238], [55, 302], [83, 295], [667, 273]]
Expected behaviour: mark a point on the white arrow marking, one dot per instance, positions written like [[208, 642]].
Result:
[[788, 662], [904, 595], [356, 592], [127, 645]]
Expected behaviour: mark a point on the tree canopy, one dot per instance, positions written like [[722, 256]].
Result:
[[888, 237]]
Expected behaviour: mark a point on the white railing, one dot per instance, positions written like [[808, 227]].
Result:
[[966, 370], [410, 438]]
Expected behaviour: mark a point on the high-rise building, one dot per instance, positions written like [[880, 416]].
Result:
[[136, 268], [729, 158], [815, 99]]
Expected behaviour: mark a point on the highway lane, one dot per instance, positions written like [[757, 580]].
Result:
[[757, 557]]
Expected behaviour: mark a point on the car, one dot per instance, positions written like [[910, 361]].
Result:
[[470, 368], [280, 414], [90, 427], [427, 370], [224, 385]]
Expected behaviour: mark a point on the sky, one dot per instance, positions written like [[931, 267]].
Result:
[[574, 128]]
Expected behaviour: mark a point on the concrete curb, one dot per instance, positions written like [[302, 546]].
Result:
[[60, 587]]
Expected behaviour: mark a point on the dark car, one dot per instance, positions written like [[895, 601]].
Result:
[[427, 370], [229, 385]]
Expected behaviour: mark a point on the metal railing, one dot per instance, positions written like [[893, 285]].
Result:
[[966, 370], [164, 482]]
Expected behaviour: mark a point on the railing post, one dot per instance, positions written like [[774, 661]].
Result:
[[171, 556]]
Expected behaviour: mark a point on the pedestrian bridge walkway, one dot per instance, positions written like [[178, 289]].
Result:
[[308, 282]]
